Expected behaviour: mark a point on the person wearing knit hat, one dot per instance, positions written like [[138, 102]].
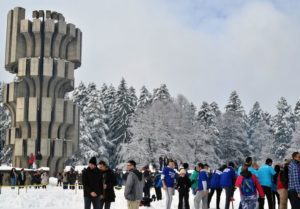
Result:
[[91, 179], [93, 161]]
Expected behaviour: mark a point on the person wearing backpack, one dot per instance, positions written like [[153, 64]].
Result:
[[282, 185], [248, 185]]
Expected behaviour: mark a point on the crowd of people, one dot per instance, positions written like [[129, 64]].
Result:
[[270, 185], [22, 178]]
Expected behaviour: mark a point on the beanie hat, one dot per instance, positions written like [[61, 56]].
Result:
[[93, 161]]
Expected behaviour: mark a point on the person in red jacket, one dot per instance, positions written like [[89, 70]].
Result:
[[31, 160], [282, 185], [249, 185]]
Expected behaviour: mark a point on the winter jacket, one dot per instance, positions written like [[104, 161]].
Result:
[[215, 180], [134, 186], [72, 177], [265, 175], [22, 178], [228, 177], [168, 176], [109, 178], [194, 179], [158, 181], [183, 184], [294, 176], [45, 179], [39, 157], [248, 174], [202, 181], [92, 181]]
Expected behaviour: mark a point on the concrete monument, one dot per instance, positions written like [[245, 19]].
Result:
[[43, 53]]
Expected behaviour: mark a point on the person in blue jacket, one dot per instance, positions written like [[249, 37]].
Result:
[[158, 185], [216, 186], [227, 182], [202, 191], [265, 178], [168, 179]]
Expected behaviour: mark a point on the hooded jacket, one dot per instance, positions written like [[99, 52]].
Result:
[[134, 186]]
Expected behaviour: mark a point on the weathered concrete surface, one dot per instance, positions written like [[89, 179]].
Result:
[[43, 53]]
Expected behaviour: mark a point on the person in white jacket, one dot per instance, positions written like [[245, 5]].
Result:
[[45, 180]]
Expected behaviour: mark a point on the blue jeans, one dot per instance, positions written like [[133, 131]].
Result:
[[13, 182], [294, 199], [94, 200]]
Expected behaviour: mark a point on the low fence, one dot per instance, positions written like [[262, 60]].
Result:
[[25, 188]]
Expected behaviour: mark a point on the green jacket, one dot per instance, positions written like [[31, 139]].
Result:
[[194, 179]]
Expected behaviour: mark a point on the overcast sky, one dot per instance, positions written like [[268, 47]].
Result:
[[203, 49]]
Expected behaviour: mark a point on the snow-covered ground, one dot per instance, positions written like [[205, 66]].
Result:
[[57, 198]]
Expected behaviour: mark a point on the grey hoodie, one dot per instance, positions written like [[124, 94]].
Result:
[[134, 186]]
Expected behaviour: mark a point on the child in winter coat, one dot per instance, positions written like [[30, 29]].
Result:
[[249, 185], [45, 180], [183, 187]]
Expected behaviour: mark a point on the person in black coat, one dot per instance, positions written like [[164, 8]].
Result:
[[92, 182], [183, 186], [22, 178], [108, 182]]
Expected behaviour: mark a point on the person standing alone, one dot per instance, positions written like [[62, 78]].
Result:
[[168, 180], [134, 186]]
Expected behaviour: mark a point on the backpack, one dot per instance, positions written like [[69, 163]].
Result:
[[248, 187]]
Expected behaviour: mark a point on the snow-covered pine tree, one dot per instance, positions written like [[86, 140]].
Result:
[[121, 113], [283, 125], [133, 97], [215, 108], [295, 143], [145, 98], [93, 128], [234, 104], [161, 94], [255, 116], [260, 137], [206, 115], [297, 111], [233, 131]]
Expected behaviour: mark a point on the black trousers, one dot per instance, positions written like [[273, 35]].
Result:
[[294, 199], [91, 200], [268, 193], [229, 191], [184, 195], [210, 195], [105, 204], [158, 193]]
